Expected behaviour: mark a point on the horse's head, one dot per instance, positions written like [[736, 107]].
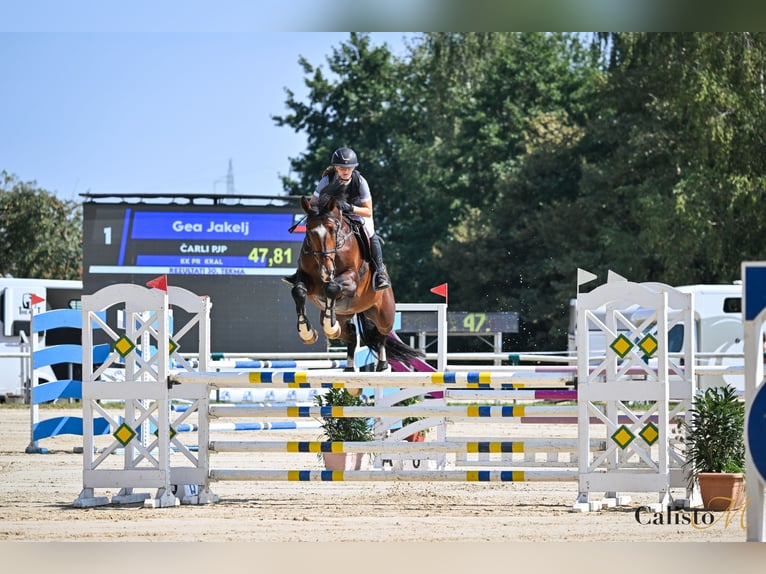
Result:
[[323, 234]]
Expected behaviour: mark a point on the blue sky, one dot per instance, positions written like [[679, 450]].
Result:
[[152, 112], [147, 96]]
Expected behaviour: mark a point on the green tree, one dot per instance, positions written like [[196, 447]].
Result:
[[441, 160], [520, 143], [357, 104], [449, 129], [680, 170], [349, 107], [40, 235], [502, 162]]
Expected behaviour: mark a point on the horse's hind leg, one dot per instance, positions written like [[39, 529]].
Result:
[[382, 360], [348, 334], [376, 328], [306, 332], [350, 337]]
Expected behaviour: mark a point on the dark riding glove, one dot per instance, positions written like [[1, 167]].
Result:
[[346, 207]]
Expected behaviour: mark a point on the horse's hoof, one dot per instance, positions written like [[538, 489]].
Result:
[[333, 332], [383, 367], [309, 338]]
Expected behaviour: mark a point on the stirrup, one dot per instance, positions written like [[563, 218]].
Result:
[[380, 281]]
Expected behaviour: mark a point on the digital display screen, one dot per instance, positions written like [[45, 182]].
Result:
[[222, 241], [235, 254]]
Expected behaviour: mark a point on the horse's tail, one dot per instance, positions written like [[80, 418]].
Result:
[[396, 349]]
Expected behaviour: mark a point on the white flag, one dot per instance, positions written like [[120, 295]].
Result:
[[611, 277], [584, 276]]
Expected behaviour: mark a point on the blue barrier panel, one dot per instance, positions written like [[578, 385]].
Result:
[[67, 425], [59, 354], [62, 318], [64, 389], [756, 431]]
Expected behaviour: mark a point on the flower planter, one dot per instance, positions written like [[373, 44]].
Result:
[[722, 490], [419, 436], [345, 460]]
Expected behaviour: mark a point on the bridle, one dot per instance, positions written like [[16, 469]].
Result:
[[340, 240]]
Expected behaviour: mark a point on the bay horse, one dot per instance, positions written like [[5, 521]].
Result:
[[335, 276]]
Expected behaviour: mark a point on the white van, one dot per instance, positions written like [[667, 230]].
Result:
[[717, 328], [719, 331], [16, 302]]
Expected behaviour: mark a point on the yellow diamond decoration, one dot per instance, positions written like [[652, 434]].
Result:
[[623, 437], [123, 346], [172, 432], [621, 345], [648, 345], [124, 434], [172, 346], [650, 434]]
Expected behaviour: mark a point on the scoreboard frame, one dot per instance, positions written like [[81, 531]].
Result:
[[232, 248]]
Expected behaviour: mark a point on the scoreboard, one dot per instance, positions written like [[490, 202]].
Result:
[[195, 240], [235, 254]]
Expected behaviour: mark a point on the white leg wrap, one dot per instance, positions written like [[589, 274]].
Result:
[[307, 335], [331, 330]]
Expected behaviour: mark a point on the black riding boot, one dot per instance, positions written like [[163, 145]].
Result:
[[380, 279], [291, 279]]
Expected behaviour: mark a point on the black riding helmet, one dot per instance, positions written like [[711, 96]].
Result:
[[344, 157]]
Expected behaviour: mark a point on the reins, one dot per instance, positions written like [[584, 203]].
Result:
[[340, 240]]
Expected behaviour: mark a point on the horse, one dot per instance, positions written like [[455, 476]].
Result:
[[335, 276]]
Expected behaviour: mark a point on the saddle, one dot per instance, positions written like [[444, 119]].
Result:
[[357, 227]]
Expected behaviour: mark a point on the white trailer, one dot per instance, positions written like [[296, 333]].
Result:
[[17, 302]]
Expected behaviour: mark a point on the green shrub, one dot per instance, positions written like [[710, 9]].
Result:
[[715, 433], [344, 429]]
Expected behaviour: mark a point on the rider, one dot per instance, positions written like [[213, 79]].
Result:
[[343, 171]]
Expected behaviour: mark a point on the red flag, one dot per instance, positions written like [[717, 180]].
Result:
[[440, 290], [160, 282], [35, 299]]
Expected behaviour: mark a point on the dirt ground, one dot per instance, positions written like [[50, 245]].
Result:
[[37, 491]]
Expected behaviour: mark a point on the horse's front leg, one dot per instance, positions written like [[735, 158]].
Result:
[[329, 322], [306, 332]]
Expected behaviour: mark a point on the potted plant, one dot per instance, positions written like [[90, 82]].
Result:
[[715, 447], [417, 436], [342, 429]]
